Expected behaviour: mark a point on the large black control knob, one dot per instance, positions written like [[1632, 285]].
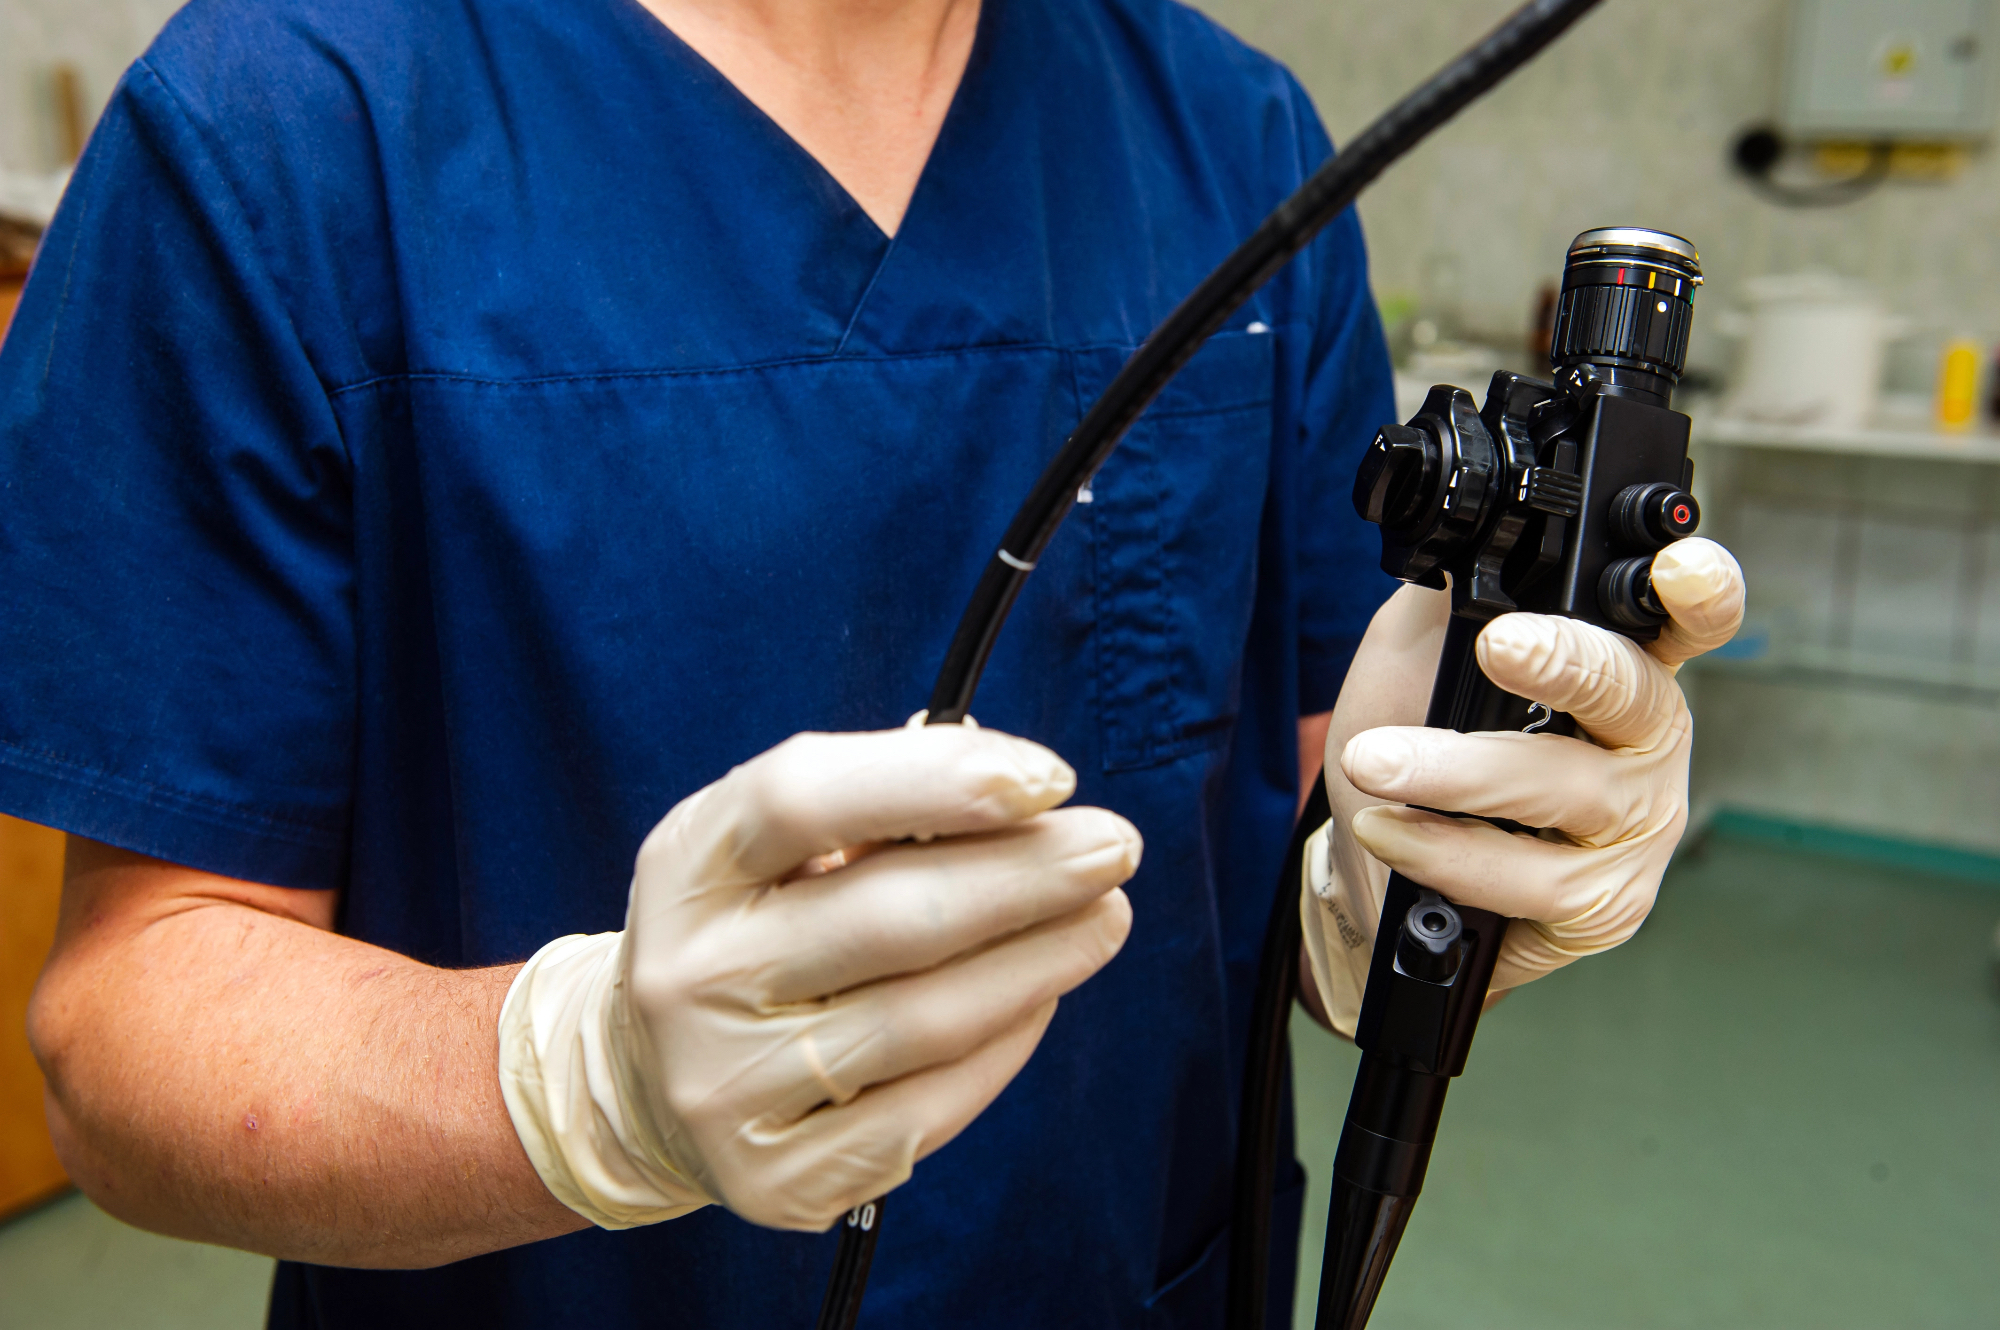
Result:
[[1650, 517], [1393, 486]]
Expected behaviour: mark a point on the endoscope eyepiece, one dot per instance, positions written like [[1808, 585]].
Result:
[[1627, 305]]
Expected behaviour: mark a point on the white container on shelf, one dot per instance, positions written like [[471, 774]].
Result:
[[1813, 347]]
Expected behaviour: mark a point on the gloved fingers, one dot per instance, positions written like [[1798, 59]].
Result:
[[1544, 780], [1390, 679], [910, 907], [1532, 950], [901, 1026], [1476, 863], [1616, 692], [821, 1166], [817, 793], [1701, 585]]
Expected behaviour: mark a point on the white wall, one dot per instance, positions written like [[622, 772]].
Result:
[[99, 37], [1628, 119]]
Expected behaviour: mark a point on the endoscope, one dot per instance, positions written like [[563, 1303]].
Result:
[[1552, 497], [1417, 1036]]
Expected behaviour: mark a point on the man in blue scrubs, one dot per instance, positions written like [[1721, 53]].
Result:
[[441, 436]]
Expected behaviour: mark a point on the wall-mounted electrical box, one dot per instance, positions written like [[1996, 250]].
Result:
[[1891, 69]]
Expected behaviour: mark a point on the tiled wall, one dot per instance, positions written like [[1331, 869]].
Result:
[[1865, 687], [1892, 562]]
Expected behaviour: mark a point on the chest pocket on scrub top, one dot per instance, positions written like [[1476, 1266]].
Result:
[[1175, 517]]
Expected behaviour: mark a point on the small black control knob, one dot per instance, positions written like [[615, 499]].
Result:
[[1649, 517], [1393, 486], [1431, 945], [1625, 594]]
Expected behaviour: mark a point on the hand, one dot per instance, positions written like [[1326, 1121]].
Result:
[[834, 958], [1613, 808]]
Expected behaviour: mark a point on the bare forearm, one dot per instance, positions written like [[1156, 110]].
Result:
[[225, 1074]]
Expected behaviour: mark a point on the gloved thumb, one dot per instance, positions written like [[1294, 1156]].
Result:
[[1701, 586]]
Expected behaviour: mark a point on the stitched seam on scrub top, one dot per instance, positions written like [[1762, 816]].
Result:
[[38, 762], [222, 164], [689, 372], [750, 367]]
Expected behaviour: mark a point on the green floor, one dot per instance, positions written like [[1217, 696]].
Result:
[[70, 1266], [1778, 1107]]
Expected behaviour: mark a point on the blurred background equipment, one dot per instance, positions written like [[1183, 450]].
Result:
[[1872, 70], [1874, 89], [1814, 346]]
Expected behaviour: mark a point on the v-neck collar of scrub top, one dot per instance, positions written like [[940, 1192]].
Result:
[[858, 232]]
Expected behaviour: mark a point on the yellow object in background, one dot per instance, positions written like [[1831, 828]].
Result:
[[1958, 385]]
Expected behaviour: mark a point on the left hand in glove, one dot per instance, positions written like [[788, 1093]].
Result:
[[1612, 805]]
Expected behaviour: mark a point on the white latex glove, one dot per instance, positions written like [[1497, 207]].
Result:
[[1614, 808], [804, 1001]]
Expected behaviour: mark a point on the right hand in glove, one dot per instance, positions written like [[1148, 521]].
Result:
[[834, 958], [1612, 801]]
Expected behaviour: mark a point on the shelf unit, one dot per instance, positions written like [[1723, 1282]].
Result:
[[1887, 438]]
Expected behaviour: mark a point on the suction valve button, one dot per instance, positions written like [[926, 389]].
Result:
[[1651, 516]]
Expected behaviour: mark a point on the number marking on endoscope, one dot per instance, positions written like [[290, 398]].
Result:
[[862, 1217]]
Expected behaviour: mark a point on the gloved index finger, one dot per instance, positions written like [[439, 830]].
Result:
[[1613, 689], [816, 793]]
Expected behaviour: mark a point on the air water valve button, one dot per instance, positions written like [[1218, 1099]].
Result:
[[1651, 516]]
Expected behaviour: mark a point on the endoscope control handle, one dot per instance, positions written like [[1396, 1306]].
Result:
[[1427, 984]]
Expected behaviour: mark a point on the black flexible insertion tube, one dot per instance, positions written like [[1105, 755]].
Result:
[[1264, 1076], [841, 1306], [1290, 227], [1326, 194]]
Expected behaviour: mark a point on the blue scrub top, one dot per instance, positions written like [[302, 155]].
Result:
[[439, 435]]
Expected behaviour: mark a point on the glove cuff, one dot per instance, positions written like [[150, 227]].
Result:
[[1339, 937], [567, 1074]]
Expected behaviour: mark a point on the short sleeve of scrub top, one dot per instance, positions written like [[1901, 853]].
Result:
[[440, 435]]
